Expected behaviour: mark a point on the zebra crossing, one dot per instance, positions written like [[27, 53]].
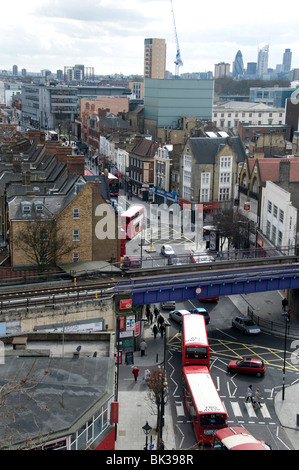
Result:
[[238, 412]]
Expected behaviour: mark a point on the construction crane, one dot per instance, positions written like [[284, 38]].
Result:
[[178, 61]]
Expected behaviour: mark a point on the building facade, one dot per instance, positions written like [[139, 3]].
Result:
[[166, 101], [154, 58]]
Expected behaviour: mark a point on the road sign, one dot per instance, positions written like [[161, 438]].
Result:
[[198, 290]]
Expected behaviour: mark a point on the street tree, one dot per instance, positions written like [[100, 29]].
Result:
[[43, 242], [156, 382]]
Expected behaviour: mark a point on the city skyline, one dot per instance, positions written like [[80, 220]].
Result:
[[39, 34]]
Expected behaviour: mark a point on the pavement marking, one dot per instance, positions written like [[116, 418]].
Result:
[[250, 410], [236, 408]]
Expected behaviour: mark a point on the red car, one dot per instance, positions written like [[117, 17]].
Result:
[[247, 365]]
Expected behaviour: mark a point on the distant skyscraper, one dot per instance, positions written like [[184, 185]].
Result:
[[251, 68], [154, 58], [262, 62], [222, 70], [287, 60], [15, 70], [238, 66]]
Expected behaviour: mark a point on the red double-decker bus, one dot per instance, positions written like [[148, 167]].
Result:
[[113, 183], [194, 341], [205, 408], [132, 221]]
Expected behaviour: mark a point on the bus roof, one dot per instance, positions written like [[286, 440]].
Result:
[[194, 329], [238, 438], [131, 211], [203, 390]]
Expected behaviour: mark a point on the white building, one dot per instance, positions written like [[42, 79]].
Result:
[[228, 115], [278, 221]]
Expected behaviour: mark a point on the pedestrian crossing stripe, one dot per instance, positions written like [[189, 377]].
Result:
[[251, 411]]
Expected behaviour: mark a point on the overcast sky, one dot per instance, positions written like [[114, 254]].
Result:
[[109, 35]]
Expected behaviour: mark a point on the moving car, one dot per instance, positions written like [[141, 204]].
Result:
[[168, 305], [201, 311], [246, 325], [167, 250], [177, 315], [131, 262], [247, 365], [237, 438]]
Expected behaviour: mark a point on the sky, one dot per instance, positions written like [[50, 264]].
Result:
[[109, 35]]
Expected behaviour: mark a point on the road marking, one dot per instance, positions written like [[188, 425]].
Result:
[[265, 412], [250, 410], [236, 408], [179, 408]]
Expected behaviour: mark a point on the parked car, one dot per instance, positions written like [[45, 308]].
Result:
[[201, 311], [247, 365], [177, 315], [168, 305], [131, 262], [246, 325], [167, 250]]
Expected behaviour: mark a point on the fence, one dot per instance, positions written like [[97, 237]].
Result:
[[274, 327]]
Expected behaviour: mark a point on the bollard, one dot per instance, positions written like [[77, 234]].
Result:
[[157, 357]]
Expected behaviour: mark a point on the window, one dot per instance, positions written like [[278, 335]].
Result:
[[268, 229], [225, 162], [205, 179], [75, 235], [76, 213], [75, 257], [224, 194], [270, 207], [204, 195], [279, 240], [281, 216], [273, 238], [225, 178], [275, 211]]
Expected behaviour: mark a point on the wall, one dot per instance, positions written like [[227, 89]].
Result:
[[26, 321]]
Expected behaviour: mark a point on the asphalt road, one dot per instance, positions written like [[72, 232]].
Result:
[[226, 344]]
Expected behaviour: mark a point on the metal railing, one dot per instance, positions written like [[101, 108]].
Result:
[[273, 327]]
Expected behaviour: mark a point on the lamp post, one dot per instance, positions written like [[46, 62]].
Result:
[[146, 429], [284, 357]]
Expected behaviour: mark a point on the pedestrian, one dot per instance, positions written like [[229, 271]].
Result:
[[156, 312], [257, 398], [143, 347], [284, 304], [289, 315], [155, 330], [249, 395], [135, 372], [162, 329], [151, 316]]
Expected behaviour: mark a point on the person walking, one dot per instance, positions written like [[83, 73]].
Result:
[[284, 304], [162, 329], [156, 312], [289, 315], [135, 372], [249, 396], [155, 330], [257, 398], [143, 347]]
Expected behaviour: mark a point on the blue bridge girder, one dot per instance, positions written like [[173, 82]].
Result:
[[207, 284]]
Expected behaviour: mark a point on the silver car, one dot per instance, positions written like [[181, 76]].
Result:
[[246, 325], [167, 250], [177, 315], [168, 305]]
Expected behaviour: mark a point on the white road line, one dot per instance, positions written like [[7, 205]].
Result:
[[265, 412], [179, 408], [236, 408], [250, 410]]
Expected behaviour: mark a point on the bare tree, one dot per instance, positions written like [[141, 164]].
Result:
[[43, 242], [156, 382]]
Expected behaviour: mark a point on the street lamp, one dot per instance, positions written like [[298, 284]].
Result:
[[284, 357], [146, 429]]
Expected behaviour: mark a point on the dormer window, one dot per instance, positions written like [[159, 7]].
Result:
[[38, 208], [26, 208]]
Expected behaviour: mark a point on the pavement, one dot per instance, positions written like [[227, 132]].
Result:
[[135, 408]]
